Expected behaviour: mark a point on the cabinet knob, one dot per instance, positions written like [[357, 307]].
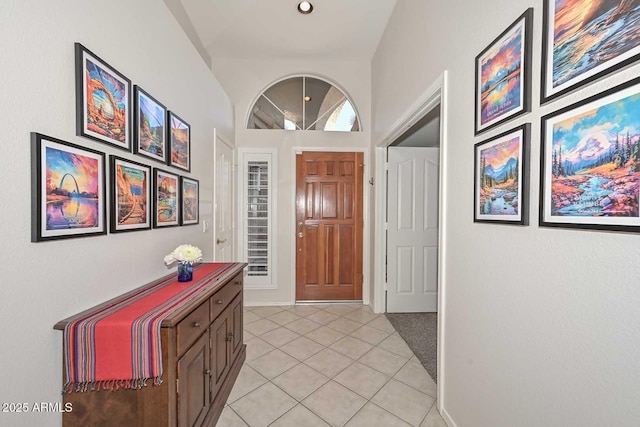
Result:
[[208, 372], [196, 324], [219, 301]]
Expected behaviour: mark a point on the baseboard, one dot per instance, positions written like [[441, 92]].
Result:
[[266, 304], [447, 418]]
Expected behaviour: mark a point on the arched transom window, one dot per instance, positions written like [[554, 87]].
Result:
[[304, 103]]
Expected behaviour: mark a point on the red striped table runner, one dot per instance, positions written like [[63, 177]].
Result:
[[118, 345]]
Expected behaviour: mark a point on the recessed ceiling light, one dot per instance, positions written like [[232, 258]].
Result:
[[307, 98], [305, 7]]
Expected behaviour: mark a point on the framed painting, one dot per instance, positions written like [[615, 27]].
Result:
[[189, 201], [501, 178], [584, 40], [150, 128], [503, 76], [103, 97], [590, 162], [130, 188], [166, 208], [179, 153], [67, 190]]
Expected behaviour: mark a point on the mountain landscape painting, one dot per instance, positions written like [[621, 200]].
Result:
[[499, 177], [151, 117], [592, 160], [587, 37]]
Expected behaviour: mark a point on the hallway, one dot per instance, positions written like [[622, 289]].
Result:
[[353, 371]]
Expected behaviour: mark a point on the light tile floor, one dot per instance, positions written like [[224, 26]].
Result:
[[328, 365]]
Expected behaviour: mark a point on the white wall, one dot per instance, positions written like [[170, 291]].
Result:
[[545, 333], [48, 281], [244, 80]]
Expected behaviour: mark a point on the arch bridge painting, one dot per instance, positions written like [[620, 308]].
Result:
[[591, 162], [102, 100], [69, 190]]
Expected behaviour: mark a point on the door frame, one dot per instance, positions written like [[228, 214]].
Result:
[[366, 239], [217, 135], [436, 94]]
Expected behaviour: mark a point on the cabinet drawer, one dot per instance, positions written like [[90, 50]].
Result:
[[221, 299], [192, 326]]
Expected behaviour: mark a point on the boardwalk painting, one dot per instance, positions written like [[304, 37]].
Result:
[[592, 161], [132, 195]]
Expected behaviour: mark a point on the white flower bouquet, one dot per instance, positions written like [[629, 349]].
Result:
[[185, 254]]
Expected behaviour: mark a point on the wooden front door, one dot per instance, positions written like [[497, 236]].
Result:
[[329, 226]]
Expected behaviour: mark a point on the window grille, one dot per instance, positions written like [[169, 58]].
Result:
[[258, 218], [257, 235]]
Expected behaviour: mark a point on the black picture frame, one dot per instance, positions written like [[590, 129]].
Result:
[[150, 126], [166, 199], [502, 196], [178, 144], [513, 98], [573, 75], [590, 163], [189, 201], [58, 212], [107, 118], [130, 208]]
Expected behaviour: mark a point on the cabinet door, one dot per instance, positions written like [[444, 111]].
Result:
[[193, 388], [236, 325], [220, 354]]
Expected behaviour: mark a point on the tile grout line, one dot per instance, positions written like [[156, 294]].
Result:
[[324, 347]]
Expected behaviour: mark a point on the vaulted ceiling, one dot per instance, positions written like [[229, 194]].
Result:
[[261, 29]]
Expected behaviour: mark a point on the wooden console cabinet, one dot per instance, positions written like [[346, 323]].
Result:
[[202, 353]]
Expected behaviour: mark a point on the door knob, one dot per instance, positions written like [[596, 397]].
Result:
[[219, 241], [300, 235]]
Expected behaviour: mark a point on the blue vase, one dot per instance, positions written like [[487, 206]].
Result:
[[185, 272]]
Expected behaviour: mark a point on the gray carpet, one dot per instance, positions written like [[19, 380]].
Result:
[[420, 331]]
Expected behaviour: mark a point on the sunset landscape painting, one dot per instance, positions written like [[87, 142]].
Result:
[[190, 204], [501, 76], [499, 166], [592, 160], [166, 199], [586, 38], [70, 193]]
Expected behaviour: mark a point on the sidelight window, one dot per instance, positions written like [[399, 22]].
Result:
[[257, 187]]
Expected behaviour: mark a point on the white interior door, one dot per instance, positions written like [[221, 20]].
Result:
[[412, 238], [223, 204]]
